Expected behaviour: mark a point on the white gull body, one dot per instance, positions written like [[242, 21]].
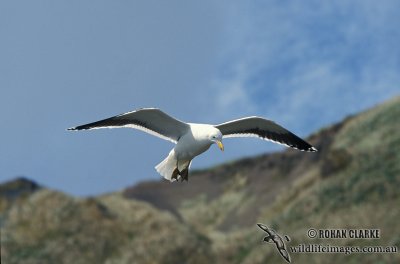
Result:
[[190, 145]]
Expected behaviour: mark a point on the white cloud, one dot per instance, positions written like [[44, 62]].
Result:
[[232, 97], [308, 64]]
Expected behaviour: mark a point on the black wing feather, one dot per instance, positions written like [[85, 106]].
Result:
[[265, 129], [150, 120]]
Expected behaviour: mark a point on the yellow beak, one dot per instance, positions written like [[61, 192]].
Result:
[[220, 145]]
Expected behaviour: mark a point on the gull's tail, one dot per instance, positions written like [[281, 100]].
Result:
[[170, 167], [167, 166]]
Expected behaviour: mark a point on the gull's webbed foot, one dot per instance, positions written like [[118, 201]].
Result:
[[175, 174], [185, 174]]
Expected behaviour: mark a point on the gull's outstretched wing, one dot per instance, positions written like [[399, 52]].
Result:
[[266, 129], [150, 120]]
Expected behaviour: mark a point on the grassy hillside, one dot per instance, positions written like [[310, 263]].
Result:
[[352, 182]]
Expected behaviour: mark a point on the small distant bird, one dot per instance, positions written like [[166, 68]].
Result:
[[274, 237], [193, 139]]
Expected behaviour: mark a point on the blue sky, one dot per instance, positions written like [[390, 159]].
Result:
[[63, 63]]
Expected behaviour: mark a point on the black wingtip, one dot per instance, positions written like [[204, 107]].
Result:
[[312, 149], [77, 128], [263, 227]]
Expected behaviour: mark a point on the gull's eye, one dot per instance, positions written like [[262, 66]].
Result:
[[214, 137]]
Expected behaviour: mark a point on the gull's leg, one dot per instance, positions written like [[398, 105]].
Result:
[[185, 174], [175, 174]]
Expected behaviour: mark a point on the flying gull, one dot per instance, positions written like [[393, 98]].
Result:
[[193, 139]]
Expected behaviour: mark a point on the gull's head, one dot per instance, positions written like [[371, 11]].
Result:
[[216, 137]]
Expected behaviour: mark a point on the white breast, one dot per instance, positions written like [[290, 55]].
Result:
[[194, 142]]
